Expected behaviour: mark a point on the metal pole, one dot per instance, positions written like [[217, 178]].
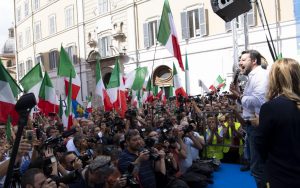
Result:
[[235, 44], [246, 31]]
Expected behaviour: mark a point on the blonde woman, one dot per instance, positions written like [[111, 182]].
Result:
[[278, 141]]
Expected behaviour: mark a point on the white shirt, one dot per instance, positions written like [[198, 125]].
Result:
[[195, 151], [71, 147], [254, 92], [184, 164]]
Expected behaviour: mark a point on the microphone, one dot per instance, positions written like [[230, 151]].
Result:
[[236, 76]]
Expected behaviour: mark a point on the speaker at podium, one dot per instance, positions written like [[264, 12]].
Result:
[[229, 9]]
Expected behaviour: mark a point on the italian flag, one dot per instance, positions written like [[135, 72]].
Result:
[[89, 108], [136, 98], [135, 79], [116, 90], [32, 81], [160, 93], [167, 33], [148, 92], [9, 91], [219, 83], [179, 90], [100, 89], [67, 117], [162, 96], [47, 97], [64, 69], [187, 76]]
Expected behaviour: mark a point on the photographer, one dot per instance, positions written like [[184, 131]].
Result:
[[80, 147], [70, 162], [35, 178], [193, 144], [165, 146], [21, 162], [143, 167], [99, 174]]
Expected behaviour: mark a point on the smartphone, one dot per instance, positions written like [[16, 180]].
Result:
[[29, 135]]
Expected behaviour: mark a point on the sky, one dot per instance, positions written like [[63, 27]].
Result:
[[6, 19]]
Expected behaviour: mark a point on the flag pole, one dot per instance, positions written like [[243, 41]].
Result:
[[151, 76]]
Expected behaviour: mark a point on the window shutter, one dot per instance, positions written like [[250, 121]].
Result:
[[146, 35], [184, 26], [57, 58], [202, 21], [74, 55], [228, 26], [251, 16], [109, 50], [241, 21]]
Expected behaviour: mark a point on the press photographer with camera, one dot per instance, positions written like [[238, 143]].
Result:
[[101, 174], [134, 155], [35, 178], [193, 144], [24, 149], [71, 162]]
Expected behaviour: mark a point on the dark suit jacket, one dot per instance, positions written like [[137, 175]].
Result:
[[278, 142]]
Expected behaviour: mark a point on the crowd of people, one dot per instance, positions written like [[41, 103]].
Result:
[[178, 144]]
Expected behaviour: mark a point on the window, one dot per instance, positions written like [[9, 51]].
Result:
[[39, 59], [19, 14], [150, 33], [37, 30], [104, 46], [20, 41], [102, 6], [26, 8], [21, 70], [27, 36], [9, 63], [52, 24], [28, 65], [69, 16], [193, 23], [36, 4], [71, 50], [251, 17], [53, 59]]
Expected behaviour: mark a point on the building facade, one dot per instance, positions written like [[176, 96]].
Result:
[[127, 29], [7, 54]]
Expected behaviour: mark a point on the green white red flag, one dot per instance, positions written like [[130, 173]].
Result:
[[32, 81], [64, 69], [100, 89], [148, 92], [167, 33], [9, 91], [89, 107], [218, 84], [179, 90], [48, 101], [135, 79], [116, 90], [67, 118]]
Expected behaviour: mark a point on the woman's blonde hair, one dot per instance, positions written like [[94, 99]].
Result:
[[284, 79]]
